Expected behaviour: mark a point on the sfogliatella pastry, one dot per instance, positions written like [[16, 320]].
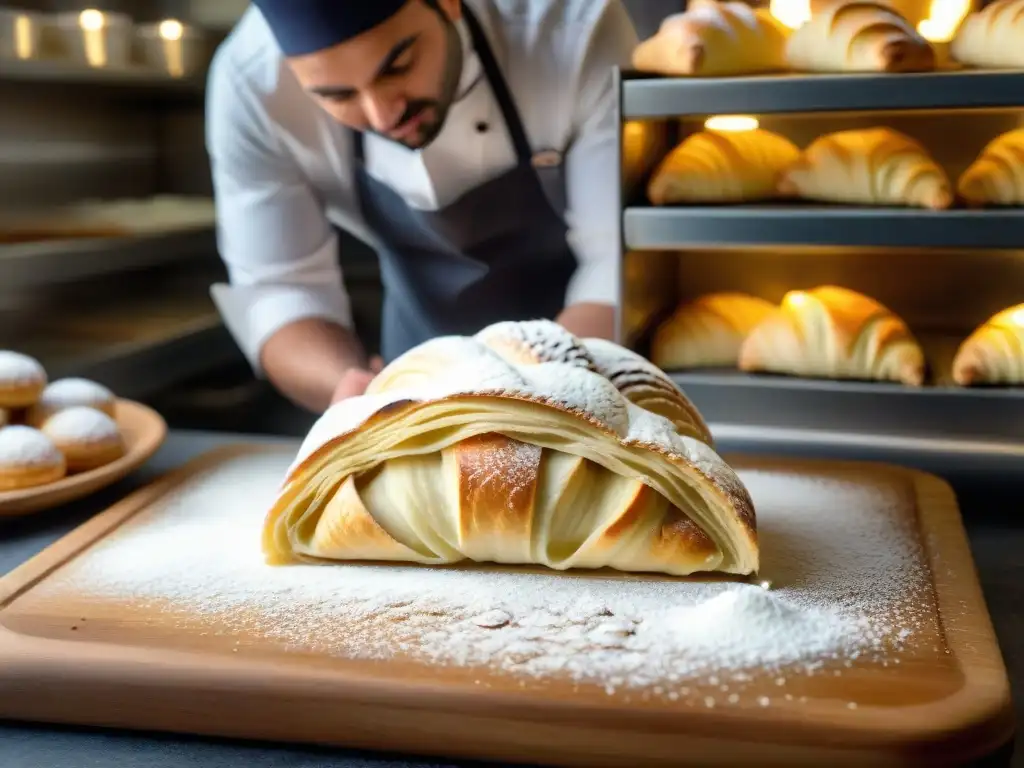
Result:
[[88, 438], [69, 393], [872, 166], [834, 333], [22, 379], [713, 39], [858, 36], [722, 167], [994, 353], [28, 458], [996, 177], [520, 445], [992, 37], [708, 331]]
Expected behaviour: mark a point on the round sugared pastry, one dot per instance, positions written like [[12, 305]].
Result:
[[28, 458], [88, 438], [22, 380], [70, 393]]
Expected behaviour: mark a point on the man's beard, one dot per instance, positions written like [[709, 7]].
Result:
[[430, 129]]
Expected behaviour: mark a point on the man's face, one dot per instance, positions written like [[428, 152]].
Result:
[[397, 80]]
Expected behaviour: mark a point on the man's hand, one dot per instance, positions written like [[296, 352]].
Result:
[[355, 381]]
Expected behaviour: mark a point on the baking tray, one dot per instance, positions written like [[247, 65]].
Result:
[[673, 228], [651, 96]]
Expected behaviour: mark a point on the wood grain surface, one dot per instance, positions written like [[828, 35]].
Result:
[[72, 658]]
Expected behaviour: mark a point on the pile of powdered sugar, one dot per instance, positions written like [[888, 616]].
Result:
[[846, 575]]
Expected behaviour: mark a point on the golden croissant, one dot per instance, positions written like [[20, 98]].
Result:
[[708, 331], [858, 36], [873, 166], [992, 37], [835, 333], [715, 39], [996, 177], [722, 167], [994, 353], [520, 445]]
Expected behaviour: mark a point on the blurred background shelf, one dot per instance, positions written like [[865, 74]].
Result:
[[137, 80], [30, 265], [646, 96], [800, 225]]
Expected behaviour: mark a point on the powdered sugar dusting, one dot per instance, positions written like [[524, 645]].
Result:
[[67, 393], [16, 368], [81, 424], [846, 569], [22, 446]]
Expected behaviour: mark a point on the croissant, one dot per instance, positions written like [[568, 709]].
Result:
[[994, 353], [992, 37], [708, 331], [858, 36], [722, 167], [832, 332], [872, 166], [715, 39], [996, 177], [520, 445]]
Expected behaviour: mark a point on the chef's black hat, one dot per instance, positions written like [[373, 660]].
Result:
[[305, 26]]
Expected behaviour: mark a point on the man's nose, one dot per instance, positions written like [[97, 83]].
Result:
[[382, 110]]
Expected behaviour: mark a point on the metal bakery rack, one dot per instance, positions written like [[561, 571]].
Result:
[[943, 272]]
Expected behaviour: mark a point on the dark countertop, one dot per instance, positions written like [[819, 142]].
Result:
[[997, 540]]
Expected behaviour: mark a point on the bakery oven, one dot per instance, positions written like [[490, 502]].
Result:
[[822, 232]]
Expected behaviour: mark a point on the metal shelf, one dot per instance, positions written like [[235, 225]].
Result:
[[994, 417], [31, 265], [141, 368], [60, 72], [774, 225], [645, 96]]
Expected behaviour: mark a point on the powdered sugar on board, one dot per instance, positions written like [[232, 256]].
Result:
[[847, 576]]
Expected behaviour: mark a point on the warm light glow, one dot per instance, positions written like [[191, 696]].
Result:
[[24, 40], [91, 19], [733, 123], [796, 298], [943, 20], [171, 29], [792, 13], [1017, 317]]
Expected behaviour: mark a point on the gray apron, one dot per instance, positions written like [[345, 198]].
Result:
[[499, 252]]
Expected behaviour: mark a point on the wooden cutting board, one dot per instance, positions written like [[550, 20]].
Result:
[[142, 618]]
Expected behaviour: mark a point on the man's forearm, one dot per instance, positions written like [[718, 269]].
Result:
[[306, 359], [589, 320]]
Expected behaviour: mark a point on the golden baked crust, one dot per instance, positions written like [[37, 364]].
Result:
[[833, 332], [996, 177], [722, 167], [858, 36], [715, 39], [522, 451], [708, 331], [873, 166], [992, 37], [994, 353], [22, 379]]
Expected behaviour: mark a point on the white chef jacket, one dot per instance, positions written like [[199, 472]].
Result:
[[283, 169]]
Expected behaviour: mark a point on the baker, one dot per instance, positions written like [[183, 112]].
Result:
[[472, 144]]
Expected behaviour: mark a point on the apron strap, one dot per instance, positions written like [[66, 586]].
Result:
[[509, 112], [524, 153]]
